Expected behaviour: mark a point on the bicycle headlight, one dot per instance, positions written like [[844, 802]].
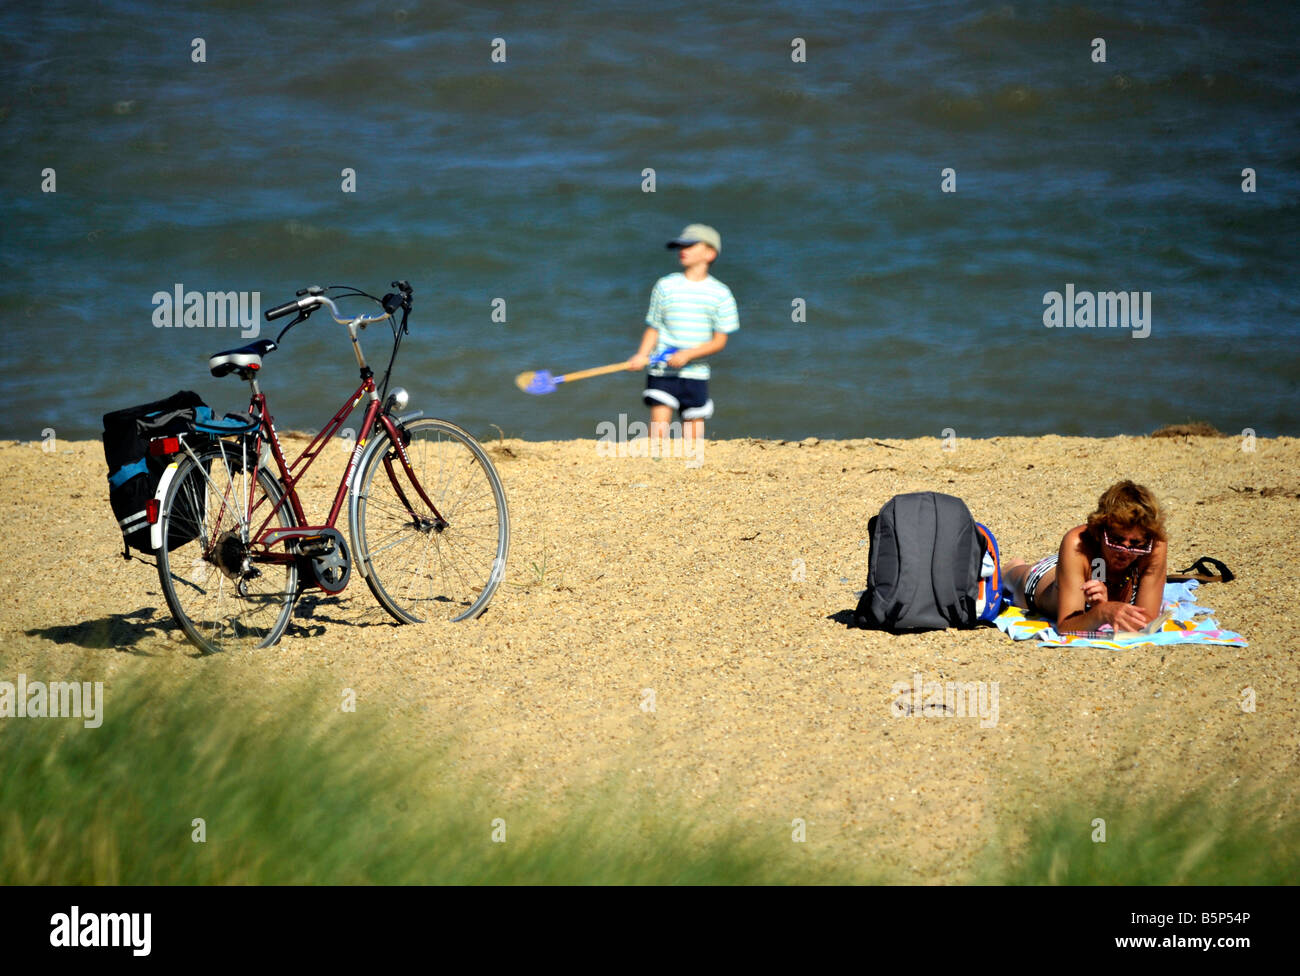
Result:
[[398, 399]]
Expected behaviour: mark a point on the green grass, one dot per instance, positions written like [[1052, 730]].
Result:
[[299, 792], [293, 791], [1203, 837]]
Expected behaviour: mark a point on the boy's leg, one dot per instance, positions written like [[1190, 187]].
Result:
[[661, 397], [692, 436], [696, 408], [661, 416]]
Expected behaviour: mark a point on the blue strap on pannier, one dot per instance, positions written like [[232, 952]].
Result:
[[204, 423], [227, 426], [126, 472]]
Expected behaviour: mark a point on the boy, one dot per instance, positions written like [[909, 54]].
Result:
[[694, 312]]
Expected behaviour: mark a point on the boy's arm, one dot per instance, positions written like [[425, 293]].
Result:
[[650, 338], [648, 342], [684, 356]]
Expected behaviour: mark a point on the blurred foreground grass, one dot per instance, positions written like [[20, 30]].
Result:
[[1203, 837], [300, 792], [296, 791]]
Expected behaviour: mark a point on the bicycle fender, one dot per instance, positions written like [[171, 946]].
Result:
[[155, 530], [354, 495], [354, 491]]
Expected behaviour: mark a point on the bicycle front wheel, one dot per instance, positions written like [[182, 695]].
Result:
[[220, 588], [419, 567]]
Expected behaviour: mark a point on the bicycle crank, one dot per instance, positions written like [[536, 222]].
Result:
[[324, 558]]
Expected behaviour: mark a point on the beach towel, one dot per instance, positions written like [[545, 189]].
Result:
[[1181, 628]]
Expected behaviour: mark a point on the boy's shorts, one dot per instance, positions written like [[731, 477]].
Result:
[[689, 397]]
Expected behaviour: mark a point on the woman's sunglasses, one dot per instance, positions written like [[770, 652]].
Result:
[[1131, 550]]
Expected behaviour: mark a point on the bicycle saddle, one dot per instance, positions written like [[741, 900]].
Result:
[[245, 357]]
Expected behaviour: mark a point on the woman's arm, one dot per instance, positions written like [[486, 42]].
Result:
[[1151, 584], [1073, 570]]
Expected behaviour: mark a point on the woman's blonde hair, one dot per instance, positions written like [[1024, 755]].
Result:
[[1127, 504]]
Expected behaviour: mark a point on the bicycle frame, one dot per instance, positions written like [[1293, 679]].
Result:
[[375, 421]]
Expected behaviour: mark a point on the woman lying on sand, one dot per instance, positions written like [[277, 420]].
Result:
[[1110, 570]]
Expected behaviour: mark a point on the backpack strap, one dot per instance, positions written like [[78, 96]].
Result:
[[914, 527], [941, 568], [956, 554]]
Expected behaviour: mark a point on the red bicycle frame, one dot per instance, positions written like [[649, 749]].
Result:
[[264, 537]]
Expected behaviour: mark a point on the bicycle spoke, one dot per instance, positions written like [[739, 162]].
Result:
[[401, 540], [447, 572], [222, 593]]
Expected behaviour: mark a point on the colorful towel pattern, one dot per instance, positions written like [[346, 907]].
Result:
[[1180, 629]]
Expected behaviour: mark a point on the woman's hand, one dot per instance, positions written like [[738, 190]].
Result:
[[1124, 616], [1094, 592]]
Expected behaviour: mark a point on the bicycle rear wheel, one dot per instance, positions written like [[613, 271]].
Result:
[[417, 568], [220, 592]]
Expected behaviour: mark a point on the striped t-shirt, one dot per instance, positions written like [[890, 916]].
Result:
[[687, 313]]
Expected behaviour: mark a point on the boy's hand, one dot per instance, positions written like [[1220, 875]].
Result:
[[679, 359], [638, 361]]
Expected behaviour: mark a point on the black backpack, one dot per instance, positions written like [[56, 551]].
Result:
[[925, 564], [133, 474]]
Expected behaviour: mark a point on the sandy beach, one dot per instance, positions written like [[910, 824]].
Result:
[[686, 627]]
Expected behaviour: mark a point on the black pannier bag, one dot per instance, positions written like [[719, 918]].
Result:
[[931, 566], [133, 474]]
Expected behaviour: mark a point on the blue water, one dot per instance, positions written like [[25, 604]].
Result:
[[522, 181]]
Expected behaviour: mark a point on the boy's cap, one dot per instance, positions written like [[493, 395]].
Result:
[[698, 234]]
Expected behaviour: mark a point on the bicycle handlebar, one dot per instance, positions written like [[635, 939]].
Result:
[[315, 301], [280, 311], [316, 298], [311, 298]]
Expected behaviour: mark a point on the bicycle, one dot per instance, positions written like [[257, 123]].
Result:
[[429, 525]]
